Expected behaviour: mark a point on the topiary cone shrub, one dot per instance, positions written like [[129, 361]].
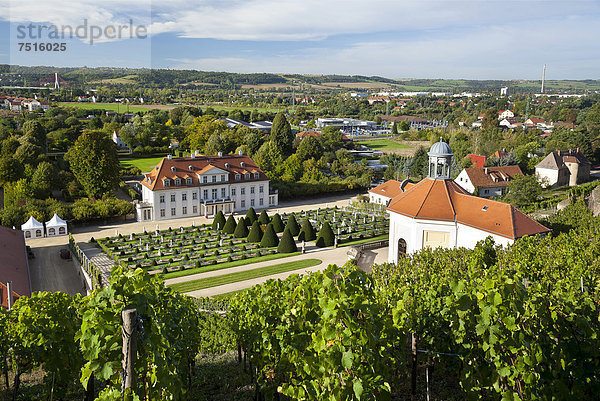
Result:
[[241, 231], [307, 233], [230, 225], [292, 225], [325, 237], [219, 221], [251, 215], [277, 223], [264, 218], [256, 233], [287, 243], [269, 238]]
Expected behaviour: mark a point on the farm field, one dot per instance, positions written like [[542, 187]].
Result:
[[382, 144], [189, 250], [243, 275], [118, 107], [143, 163]]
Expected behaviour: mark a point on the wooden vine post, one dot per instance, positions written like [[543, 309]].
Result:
[[129, 334]]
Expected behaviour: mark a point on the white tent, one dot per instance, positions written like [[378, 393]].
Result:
[[33, 228], [56, 226]]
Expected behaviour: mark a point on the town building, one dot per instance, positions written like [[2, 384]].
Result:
[[202, 186], [14, 266], [384, 193], [437, 212], [487, 181], [563, 167], [118, 141], [477, 160]]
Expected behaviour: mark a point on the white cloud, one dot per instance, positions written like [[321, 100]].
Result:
[[490, 52]]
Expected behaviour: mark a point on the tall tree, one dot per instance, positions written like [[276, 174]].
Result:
[[93, 161], [10, 170], [43, 180], [34, 132], [281, 134]]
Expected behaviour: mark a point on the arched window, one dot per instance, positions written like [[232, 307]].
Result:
[[27, 234], [51, 231], [61, 230], [401, 248], [38, 233]]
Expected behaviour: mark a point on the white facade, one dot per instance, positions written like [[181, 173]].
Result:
[[379, 199], [416, 234], [465, 182], [505, 114], [117, 140], [549, 177]]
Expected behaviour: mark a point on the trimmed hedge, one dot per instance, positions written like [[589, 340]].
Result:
[[277, 223], [219, 221], [325, 237], [256, 233], [307, 233], [292, 225], [287, 243], [251, 216], [264, 218], [230, 225], [241, 231], [269, 238]]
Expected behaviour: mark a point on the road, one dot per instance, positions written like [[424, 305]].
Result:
[[48, 272]]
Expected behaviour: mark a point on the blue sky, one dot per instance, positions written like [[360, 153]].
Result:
[[397, 39]]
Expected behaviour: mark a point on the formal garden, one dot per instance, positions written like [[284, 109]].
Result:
[[232, 242]]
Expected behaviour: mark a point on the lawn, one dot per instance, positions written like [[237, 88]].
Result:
[[382, 144], [243, 276], [121, 108], [143, 163]]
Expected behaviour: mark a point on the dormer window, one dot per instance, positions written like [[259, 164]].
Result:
[[177, 182], [191, 168], [227, 165], [173, 168], [243, 164], [238, 176], [167, 182], [256, 176], [188, 181]]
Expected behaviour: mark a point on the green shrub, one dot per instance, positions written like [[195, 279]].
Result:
[[264, 218], [256, 233], [219, 221], [165, 270], [230, 225], [325, 237], [292, 225], [307, 233], [277, 223], [241, 231], [269, 238], [229, 259], [251, 216], [287, 243]]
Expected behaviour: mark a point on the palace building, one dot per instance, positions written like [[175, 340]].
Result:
[[437, 212], [203, 185]]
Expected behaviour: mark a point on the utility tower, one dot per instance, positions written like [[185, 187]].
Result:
[[543, 78], [56, 84]]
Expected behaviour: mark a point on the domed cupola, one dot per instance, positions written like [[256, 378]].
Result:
[[440, 160]]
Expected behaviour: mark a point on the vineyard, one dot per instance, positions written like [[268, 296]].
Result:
[[517, 323], [233, 240]]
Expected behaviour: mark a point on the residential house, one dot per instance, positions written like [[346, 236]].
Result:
[[14, 265], [384, 193], [487, 181], [477, 160], [563, 167]]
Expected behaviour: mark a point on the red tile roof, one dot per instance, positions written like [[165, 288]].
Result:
[[232, 164], [492, 176], [14, 265], [444, 200], [477, 160], [391, 188]]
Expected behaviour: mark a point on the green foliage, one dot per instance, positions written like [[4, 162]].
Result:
[[264, 217], [281, 134], [230, 225], [277, 223], [93, 161], [43, 180], [16, 193], [218, 221], [325, 237], [303, 331], [256, 233], [251, 216], [269, 238], [287, 243], [523, 190], [11, 170], [292, 225], [307, 233], [241, 230]]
